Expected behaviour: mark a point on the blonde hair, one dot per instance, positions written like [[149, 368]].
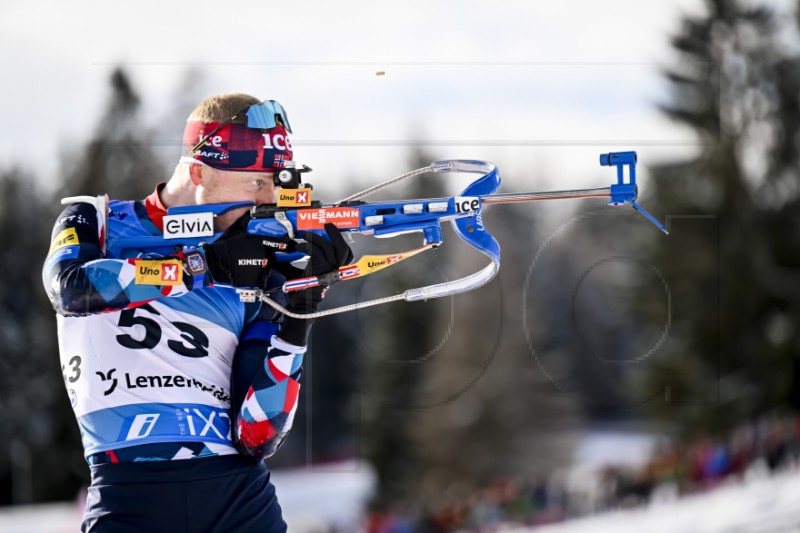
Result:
[[222, 107]]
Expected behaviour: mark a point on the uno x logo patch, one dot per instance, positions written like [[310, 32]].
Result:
[[294, 198], [154, 272]]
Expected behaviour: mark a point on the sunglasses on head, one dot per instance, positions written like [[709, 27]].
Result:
[[263, 115]]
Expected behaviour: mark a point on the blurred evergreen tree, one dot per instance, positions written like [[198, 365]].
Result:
[[165, 127], [492, 413], [584, 292], [736, 85], [120, 159], [453, 399], [395, 343], [41, 456]]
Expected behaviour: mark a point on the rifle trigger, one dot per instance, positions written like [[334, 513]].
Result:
[[280, 216]]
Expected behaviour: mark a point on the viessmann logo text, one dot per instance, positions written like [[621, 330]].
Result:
[[342, 217]]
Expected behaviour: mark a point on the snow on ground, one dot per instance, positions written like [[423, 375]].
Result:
[[762, 504], [318, 496], [42, 518], [313, 498]]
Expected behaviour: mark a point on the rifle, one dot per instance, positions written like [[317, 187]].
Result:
[[190, 226]]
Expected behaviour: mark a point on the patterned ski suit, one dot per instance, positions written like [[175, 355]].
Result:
[[160, 365]]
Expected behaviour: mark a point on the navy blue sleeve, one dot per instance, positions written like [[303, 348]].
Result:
[[79, 280]]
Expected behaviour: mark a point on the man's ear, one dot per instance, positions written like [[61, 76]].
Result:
[[196, 174]]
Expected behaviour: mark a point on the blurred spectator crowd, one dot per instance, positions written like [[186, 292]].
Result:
[[674, 469]]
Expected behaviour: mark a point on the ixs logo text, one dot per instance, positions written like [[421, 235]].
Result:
[[193, 422], [341, 217], [197, 422], [191, 225], [149, 272]]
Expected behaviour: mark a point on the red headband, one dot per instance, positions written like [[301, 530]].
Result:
[[237, 147]]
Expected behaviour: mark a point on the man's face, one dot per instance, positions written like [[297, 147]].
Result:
[[222, 186]]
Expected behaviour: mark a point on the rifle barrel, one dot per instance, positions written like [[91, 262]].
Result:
[[513, 197]]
